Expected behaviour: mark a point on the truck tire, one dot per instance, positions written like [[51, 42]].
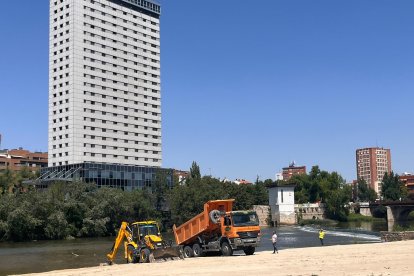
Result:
[[145, 255], [197, 250], [249, 250], [188, 252], [214, 216], [131, 256], [226, 249]]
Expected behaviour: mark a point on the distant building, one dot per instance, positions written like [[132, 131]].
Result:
[[181, 175], [372, 164], [16, 159], [292, 170], [242, 182], [278, 176], [408, 180]]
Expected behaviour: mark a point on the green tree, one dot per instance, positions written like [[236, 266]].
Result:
[[302, 185], [364, 192], [160, 189], [22, 225], [337, 202], [23, 175], [57, 226], [8, 181], [261, 194], [392, 188], [195, 171]]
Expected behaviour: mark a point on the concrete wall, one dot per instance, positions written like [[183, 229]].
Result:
[[263, 212], [397, 236], [364, 209], [310, 211]]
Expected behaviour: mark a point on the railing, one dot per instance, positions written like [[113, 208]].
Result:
[[144, 4]]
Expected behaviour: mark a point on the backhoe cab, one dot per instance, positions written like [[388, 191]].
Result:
[[143, 243]]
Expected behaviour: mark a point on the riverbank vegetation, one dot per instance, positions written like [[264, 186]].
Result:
[[82, 210], [402, 228], [359, 217]]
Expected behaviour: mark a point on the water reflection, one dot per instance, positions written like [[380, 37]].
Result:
[[372, 226]]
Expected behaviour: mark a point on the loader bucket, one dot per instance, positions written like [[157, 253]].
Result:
[[166, 253]]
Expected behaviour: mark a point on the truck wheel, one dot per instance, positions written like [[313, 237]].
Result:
[[145, 255], [249, 250], [131, 257], [226, 249], [214, 216], [197, 250], [188, 252]]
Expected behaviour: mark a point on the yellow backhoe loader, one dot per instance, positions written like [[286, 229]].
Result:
[[143, 244]]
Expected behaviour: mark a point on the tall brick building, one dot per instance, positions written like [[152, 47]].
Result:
[[372, 164]]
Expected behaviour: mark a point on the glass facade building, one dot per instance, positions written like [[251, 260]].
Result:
[[125, 177]]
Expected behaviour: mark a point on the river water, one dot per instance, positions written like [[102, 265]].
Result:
[[40, 256]]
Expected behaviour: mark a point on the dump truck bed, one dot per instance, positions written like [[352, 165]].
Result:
[[190, 230]]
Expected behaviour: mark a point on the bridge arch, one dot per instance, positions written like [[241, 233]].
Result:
[[399, 213], [404, 212]]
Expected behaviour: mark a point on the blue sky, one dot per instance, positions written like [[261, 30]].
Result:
[[248, 86]]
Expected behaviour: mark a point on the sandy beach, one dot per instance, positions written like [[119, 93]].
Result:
[[393, 258]]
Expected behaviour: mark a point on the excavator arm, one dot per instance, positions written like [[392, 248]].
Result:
[[123, 233]]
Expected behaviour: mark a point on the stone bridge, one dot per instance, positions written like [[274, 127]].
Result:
[[397, 211]]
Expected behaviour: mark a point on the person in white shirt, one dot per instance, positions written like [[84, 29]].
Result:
[[274, 240]]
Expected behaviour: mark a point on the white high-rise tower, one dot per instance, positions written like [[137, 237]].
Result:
[[104, 82]]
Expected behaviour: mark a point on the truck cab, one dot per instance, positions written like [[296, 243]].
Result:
[[242, 230]]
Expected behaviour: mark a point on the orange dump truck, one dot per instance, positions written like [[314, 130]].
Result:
[[219, 229]]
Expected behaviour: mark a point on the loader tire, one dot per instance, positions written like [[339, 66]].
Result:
[[131, 256], [188, 252], [145, 255], [214, 216], [197, 250], [226, 249]]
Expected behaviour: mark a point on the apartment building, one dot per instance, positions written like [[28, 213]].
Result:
[[17, 159], [104, 85], [292, 170], [372, 164], [408, 180]]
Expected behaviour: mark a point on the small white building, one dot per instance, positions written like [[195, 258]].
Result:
[[279, 176], [282, 204]]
